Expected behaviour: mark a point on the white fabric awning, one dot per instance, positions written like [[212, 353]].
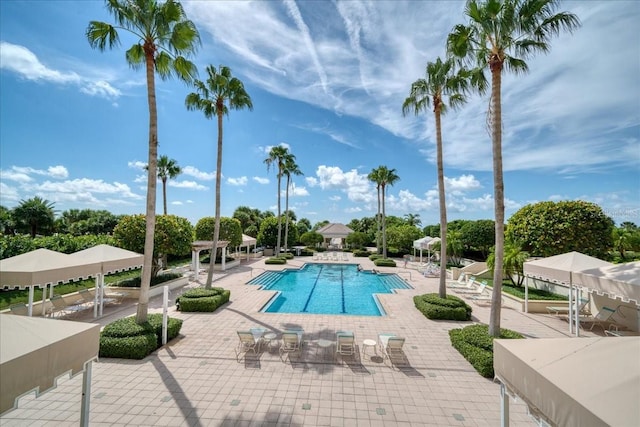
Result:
[[559, 268], [425, 242], [34, 352], [617, 281], [110, 258], [248, 240], [573, 382]]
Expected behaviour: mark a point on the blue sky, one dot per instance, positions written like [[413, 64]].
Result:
[[328, 79]]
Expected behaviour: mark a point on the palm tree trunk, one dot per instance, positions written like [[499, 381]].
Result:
[[279, 215], [442, 289], [286, 213], [147, 266], [498, 184], [379, 222], [216, 228], [164, 194], [384, 227]]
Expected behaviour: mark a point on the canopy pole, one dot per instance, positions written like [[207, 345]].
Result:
[[95, 298], [526, 294], [30, 308], [504, 406], [570, 306], [577, 310], [86, 395], [101, 294], [44, 299]]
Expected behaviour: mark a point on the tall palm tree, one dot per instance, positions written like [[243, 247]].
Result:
[[167, 169], [165, 39], [373, 177], [385, 176], [34, 214], [440, 81], [502, 34], [290, 168], [277, 157], [215, 97], [413, 219]]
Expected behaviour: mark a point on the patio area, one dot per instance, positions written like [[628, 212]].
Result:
[[196, 380]]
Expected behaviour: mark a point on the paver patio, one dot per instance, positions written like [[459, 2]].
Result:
[[196, 380]]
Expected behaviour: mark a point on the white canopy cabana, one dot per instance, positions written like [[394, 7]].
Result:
[[425, 243], [334, 231], [43, 267], [111, 260], [35, 352], [247, 242], [542, 372], [617, 281], [560, 269], [203, 245]]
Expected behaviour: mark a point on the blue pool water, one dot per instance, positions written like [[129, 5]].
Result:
[[328, 289]]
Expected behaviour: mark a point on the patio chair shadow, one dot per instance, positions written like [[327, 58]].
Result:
[[354, 362], [271, 418]]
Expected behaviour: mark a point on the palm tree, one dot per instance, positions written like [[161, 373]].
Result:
[[278, 156], [413, 220], [440, 81], [165, 38], [384, 176], [502, 34], [215, 97], [36, 214], [290, 168], [167, 169], [373, 177]]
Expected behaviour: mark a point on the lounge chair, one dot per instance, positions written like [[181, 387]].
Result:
[[477, 291], [602, 319], [584, 309], [346, 343], [86, 297], [291, 342], [249, 341], [20, 309], [60, 308], [391, 347], [469, 283]]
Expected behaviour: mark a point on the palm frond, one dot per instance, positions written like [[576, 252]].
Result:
[[102, 35], [135, 56]]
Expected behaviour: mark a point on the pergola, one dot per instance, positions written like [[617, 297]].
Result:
[[206, 245], [336, 231]]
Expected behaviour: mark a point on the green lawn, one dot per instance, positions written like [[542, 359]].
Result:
[[534, 294]]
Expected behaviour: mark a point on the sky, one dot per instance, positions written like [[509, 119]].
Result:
[[327, 79]]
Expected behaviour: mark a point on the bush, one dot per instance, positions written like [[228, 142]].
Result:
[[361, 253], [374, 257], [306, 252], [202, 300], [126, 339], [384, 262], [436, 308], [286, 255], [135, 282], [476, 345], [275, 260]]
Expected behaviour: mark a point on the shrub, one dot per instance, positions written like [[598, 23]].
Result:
[[275, 260], [384, 262], [374, 257], [286, 255], [476, 345], [361, 253], [306, 252], [436, 308], [202, 300], [135, 282], [127, 339]]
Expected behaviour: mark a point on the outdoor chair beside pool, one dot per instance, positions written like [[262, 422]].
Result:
[[345, 343], [60, 308], [249, 341], [603, 319], [20, 309], [291, 342], [465, 283], [584, 309], [473, 291], [391, 347]]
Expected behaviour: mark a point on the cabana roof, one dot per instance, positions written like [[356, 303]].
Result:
[[616, 280], [335, 230], [111, 258], [559, 268]]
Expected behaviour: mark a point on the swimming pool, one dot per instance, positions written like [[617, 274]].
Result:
[[328, 289]]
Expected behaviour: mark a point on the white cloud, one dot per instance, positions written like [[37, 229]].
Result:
[[238, 181], [21, 173], [8, 194], [58, 172], [196, 173], [20, 60], [296, 191], [191, 185], [85, 185], [13, 175], [356, 185], [266, 149], [261, 180], [461, 184], [137, 164], [140, 179], [177, 203], [335, 198]]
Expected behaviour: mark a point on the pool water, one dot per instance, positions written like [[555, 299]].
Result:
[[328, 289]]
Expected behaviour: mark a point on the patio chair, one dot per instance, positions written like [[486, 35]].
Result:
[[476, 291], [20, 309], [86, 297], [391, 347], [583, 309], [345, 343], [291, 342], [60, 308], [466, 284], [249, 341], [602, 319]]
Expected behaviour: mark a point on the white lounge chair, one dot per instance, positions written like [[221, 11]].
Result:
[[20, 309], [602, 319], [249, 341], [583, 309], [466, 284], [291, 342], [477, 291], [346, 343], [391, 347]]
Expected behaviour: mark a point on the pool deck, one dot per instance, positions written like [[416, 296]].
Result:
[[197, 380]]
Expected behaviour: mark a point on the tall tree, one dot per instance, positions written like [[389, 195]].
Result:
[[215, 97], [290, 168], [503, 34], [374, 177], [384, 176], [36, 214], [413, 219], [441, 81], [165, 39], [167, 169], [277, 158]]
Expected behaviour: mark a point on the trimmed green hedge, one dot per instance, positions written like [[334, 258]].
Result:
[[202, 300], [286, 255], [476, 345], [134, 282], [361, 253], [436, 308], [275, 260], [126, 339], [384, 262], [374, 257]]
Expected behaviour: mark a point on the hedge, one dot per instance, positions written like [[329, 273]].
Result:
[[127, 339], [202, 300], [476, 345], [436, 308], [275, 260], [384, 262], [135, 282], [374, 257], [361, 253]]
